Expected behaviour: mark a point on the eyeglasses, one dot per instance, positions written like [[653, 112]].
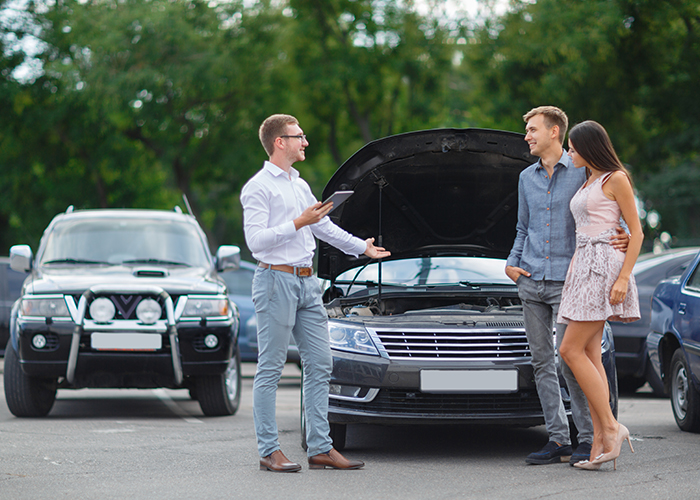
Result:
[[301, 136]]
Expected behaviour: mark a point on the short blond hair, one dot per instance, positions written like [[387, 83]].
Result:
[[552, 116], [273, 127]]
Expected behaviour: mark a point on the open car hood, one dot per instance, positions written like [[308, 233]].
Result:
[[430, 193]]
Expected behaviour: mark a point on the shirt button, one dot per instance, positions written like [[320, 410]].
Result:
[[547, 208], [548, 224], [549, 192]]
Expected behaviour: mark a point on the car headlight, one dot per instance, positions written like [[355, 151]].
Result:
[[202, 307], [351, 338], [44, 307]]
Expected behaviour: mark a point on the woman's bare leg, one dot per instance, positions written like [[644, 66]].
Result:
[[578, 344]]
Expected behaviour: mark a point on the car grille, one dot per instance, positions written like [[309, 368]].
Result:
[[479, 344], [469, 405]]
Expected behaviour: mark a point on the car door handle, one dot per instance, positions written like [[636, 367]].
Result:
[[681, 308]]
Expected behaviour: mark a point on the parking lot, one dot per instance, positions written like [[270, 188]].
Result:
[[157, 444]]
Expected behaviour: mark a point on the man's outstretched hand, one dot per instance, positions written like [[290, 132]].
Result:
[[375, 252]]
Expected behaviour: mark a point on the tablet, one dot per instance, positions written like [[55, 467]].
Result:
[[337, 198]]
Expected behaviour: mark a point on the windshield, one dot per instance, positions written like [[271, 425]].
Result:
[[131, 241], [432, 271]]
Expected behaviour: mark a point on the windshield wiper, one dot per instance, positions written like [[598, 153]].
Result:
[[75, 261], [156, 261]]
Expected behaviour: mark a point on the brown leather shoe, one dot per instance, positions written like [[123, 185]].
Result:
[[334, 460], [277, 462]]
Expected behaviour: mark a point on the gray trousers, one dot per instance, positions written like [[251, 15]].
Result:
[[287, 305], [540, 301]]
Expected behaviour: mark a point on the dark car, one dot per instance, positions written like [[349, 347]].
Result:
[[674, 343], [122, 299], [434, 334], [240, 289], [10, 287], [631, 358]]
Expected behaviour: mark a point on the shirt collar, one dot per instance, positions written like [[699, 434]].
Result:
[[564, 161], [277, 172]]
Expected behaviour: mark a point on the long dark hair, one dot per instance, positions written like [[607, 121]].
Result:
[[591, 141]]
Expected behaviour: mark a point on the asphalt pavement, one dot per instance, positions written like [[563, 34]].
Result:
[[153, 444]]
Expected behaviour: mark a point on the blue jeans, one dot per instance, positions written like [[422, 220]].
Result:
[[540, 307], [286, 305]]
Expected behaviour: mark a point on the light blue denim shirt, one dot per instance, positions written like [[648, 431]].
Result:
[[546, 231]]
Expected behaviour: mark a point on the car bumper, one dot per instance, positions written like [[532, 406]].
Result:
[[112, 368], [390, 392]]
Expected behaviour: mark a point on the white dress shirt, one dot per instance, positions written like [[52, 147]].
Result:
[[271, 200]]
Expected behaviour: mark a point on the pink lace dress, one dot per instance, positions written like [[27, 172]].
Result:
[[596, 264]]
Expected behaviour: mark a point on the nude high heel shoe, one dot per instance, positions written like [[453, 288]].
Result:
[[586, 465], [622, 434]]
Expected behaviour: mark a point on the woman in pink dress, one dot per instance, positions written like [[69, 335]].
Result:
[[599, 284]]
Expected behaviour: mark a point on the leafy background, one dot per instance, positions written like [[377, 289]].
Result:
[[133, 103]]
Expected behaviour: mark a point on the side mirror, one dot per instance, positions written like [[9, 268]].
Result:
[[228, 257], [21, 258]]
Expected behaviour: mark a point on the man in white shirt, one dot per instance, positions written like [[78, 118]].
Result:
[[282, 218]]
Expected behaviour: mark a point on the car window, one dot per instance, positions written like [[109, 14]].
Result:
[[122, 240], [239, 282], [663, 269], [432, 271], [694, 281]]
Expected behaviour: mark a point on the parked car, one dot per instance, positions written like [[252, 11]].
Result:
[[674, 343], [240, 289], [122, 299], [434, 334], [10, 286], [631, 357]]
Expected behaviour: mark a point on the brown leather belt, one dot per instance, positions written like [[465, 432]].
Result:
[[297, 271]]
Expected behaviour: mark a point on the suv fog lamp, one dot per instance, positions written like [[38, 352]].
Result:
[[211, 341], [148, 311], [102, 310], [39, 341]]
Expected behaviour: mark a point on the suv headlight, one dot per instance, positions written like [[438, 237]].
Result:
[[53, 307], [202, 307], [351, 338]]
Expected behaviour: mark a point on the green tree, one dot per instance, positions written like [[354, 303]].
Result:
[[629, 64]]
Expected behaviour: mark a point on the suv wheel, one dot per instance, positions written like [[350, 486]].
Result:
[[220, 395], [685, 399], [26, 396]]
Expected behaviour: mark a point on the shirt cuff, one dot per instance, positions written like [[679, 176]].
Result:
[[288, 229]]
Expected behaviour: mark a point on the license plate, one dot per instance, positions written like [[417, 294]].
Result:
[[126, 341], [468, 381]]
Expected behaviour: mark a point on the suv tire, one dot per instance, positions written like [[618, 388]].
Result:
[[220, 395], [26, 396], [685, 399]]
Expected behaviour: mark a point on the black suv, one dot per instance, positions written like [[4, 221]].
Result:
[[123, 299]]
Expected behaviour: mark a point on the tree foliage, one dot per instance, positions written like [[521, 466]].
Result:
[[629, 64], [133, 103]]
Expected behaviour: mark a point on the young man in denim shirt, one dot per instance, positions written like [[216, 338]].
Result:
[[538, 262]]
